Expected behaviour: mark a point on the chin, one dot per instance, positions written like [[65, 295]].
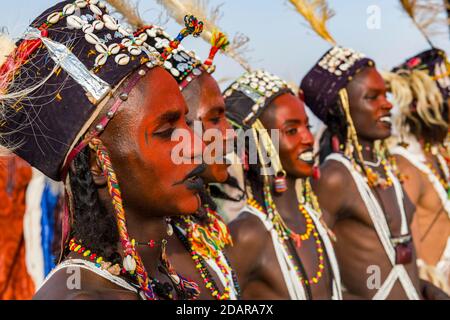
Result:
[[221, 173], [189, 205], [304, 171], [217, 173]]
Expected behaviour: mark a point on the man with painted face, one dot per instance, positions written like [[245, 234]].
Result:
[[201, 239], [99, 117], [368, 210], [281, 247], [197, 247], [420, 89]]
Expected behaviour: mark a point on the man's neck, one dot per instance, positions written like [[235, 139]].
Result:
[[144, 230], [287, 200], [367, 151]]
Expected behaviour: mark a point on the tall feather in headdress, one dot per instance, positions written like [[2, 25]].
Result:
[[316, 13], [128, 11], [211, 34], [426, 16]]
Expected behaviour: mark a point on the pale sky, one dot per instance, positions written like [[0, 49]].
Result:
[[279, 40]]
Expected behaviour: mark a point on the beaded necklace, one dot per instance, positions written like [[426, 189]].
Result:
[[307, 196], [434, 152], [208, 242]]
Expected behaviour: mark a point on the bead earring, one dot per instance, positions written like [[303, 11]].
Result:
[[169, 229], [280, 182]]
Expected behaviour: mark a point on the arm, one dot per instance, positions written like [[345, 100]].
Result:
[[431, 292], [249, 238]]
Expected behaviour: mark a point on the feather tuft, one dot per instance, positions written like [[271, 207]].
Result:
[[210, 16], [317, 14]]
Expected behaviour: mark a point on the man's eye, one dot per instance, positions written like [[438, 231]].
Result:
[[291, 131], [372, 97], [215, 120], [165, 132]]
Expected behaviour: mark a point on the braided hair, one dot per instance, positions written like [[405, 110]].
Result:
[[92, 223], [336, 127]]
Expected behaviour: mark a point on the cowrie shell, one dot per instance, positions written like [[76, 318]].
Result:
[[88, 28], [143, 37], [102, 5], [111, 26], [69, 9], [110, 22], [175, 72], [101, 59], [122, 59], [114, 48], [54, 17], [138, 42], [151, 32], [135, 51], [123, 31], [91, 38], [98, 25], [81, 3], [126, 42], [101, 47], [75, 22], [167, 65], [96, 10], [93, 1]]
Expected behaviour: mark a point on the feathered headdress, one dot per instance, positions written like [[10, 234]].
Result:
[[417, 96], [211, 33], [316, 13], [426, 16]]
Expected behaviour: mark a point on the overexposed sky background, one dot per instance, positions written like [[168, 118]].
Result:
[[279, 40]]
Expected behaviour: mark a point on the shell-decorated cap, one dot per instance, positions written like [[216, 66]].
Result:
[[250, 94], [70, 59], [334, 70]]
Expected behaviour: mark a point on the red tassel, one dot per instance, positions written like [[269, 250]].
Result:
[[316, 173], [335, 144]]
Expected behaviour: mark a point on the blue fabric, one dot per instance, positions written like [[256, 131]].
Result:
[[48, 204]]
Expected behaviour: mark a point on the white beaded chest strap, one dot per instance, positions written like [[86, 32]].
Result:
[[378, 218]]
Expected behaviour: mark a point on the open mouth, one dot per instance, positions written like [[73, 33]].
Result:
[[386, 120], [307, 156]]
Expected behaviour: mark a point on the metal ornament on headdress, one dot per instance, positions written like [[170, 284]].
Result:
[[266, 147], [63, 57]]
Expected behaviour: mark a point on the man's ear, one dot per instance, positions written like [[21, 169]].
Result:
[[99, 178]]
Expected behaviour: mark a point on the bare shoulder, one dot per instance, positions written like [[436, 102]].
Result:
[[63, 285], [75, 283], [406, 166], [250, 244], [248, 230], [334, 174], [335, 190]]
